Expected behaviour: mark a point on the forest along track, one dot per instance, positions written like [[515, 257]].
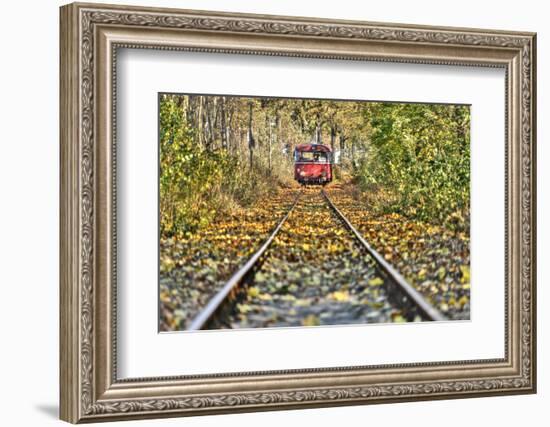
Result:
[[315, 269]]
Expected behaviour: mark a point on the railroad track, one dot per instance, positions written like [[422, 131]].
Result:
[[394, 296], [218, 304], [403, 293]]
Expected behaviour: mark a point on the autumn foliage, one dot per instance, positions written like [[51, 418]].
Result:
[[417, 161], [402, 177], [220, 153]]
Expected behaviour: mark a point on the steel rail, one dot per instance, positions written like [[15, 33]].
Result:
[[427, 311], [216, 302]]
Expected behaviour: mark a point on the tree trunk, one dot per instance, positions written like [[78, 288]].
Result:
[[353, 142], [342, 138], [210, 124], [200, 122], [207, 124], [318, 137], [270, 143], [190, 112], [223, 124], [242, 134], [332, 138], [251, 142], [231, 134]]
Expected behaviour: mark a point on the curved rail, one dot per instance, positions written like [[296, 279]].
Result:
[[425, 309], [217, 301]]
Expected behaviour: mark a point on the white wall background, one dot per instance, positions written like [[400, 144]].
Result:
[[29, 171]]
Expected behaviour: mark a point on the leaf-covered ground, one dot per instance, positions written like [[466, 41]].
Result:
[[315, 273], [193, 269], [434, 259]]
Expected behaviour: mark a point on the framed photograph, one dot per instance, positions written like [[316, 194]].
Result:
[[268, 212]]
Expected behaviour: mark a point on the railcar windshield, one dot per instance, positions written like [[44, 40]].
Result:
[[311, 156]]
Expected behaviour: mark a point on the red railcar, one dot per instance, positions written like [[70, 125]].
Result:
[[312, 164]]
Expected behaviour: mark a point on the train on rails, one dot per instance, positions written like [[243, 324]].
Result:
[[312, 164]]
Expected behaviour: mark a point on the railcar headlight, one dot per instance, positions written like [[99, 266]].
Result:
[[302, 173]]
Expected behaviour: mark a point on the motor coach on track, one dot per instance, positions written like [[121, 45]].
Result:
[[312, 164]]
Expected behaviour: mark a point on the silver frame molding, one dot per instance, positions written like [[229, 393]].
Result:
[[90, 37]]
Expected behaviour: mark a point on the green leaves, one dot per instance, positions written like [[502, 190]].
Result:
[[420, 155]]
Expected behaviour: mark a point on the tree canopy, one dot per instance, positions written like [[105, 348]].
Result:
[[220, 153]]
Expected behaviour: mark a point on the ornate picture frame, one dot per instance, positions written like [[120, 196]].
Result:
[[90, 37]]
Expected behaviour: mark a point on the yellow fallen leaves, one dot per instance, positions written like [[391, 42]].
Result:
[[465, 270], [243, 308], [195, 265], [164, 296], [253, 292], [334, 248], [166, 264], [340, 296], [260, 277], [462, 301], [311, 320], [396, 317], [376, 281], [433, 258]]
